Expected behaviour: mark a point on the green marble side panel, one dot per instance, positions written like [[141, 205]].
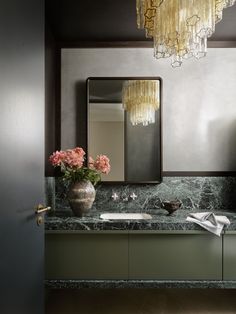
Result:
[[86, 256], [229, 255], [175, 257]]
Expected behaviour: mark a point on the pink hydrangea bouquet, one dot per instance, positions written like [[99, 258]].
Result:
[[71, 163]]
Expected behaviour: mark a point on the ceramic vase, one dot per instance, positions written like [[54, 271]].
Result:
[[81, 196]]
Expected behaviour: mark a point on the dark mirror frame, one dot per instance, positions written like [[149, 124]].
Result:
[[160, 124]]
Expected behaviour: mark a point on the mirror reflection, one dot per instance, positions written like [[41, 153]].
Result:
[[124, 123]]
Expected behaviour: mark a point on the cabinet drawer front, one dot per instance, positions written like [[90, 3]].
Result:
[[229, 251], [86, 256], [173, 257]]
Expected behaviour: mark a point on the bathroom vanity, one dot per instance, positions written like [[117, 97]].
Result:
[[160, 252], [165, 251]]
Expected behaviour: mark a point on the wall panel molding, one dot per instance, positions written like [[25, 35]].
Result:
[[132, 44]]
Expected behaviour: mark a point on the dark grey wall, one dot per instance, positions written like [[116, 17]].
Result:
[[50, 98], [199, 115]]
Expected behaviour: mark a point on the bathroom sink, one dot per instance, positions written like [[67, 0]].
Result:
[[125, 216]]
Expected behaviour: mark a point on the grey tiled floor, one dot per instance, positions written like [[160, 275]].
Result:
[[141, 301]]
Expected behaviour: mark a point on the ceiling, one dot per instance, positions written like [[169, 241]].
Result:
[[111, 20]]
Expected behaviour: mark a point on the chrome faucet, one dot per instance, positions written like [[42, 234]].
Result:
[[133, 196], [125, 197], [115, 196]]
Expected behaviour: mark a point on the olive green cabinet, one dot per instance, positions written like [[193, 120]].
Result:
[[229, 253], [187, 256], [86, 255], [172, 255]]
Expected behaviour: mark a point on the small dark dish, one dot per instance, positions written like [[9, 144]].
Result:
[[171, 206]]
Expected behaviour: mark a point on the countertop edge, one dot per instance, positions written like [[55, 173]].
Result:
[[139, 284]]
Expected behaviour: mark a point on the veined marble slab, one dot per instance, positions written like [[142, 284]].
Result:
[[195, 193], [160, 221]]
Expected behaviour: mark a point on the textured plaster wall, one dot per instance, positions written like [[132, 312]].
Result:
[[199, 102]]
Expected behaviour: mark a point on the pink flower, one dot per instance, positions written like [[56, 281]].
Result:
[[74, 157], [79, 151], [91, 163], [57, 158], [102, 163], [72, 160]]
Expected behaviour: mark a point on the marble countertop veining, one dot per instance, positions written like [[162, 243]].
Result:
[[136, 284], [65, 220]]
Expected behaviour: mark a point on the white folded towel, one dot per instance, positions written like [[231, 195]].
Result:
[[209, 221]]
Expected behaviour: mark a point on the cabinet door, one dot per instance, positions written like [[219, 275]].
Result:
[[229, 251], [175, 256], [86, 256]]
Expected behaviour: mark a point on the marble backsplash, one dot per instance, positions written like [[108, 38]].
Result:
[[210, 193]]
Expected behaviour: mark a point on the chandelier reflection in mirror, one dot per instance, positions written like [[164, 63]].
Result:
[[180, 28], [140, 99]]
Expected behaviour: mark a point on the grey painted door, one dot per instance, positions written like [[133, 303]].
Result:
[[21, 155]]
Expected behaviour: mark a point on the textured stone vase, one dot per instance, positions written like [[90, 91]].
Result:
[[81, 196]]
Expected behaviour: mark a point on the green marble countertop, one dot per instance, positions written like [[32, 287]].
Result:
[[65, 220]]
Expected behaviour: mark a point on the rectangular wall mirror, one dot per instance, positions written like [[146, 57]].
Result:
[[124, 123]]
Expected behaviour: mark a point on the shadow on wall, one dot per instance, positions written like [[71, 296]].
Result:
[[230, 190], [81, 114], [225, 189], [221, 136], [232, 145]]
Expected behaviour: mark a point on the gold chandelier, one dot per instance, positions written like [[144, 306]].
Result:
[[180, 28], [141, 99]]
